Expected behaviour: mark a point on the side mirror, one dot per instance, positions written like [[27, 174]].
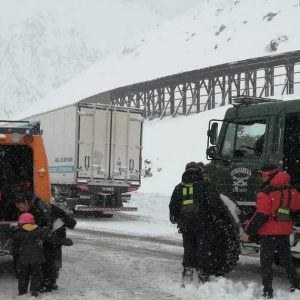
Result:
[[212, 133], [211, 152]]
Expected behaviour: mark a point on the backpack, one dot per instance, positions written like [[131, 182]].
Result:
[[189, 203], [282, 213]]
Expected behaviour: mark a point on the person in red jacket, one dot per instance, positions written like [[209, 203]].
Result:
[[272, 222]]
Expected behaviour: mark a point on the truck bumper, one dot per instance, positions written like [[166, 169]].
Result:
[[84, 208]]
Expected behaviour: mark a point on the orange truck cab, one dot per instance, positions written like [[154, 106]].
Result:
[[23, 165]]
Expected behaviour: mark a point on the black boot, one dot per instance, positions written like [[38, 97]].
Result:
[[268, 293], [295, 285], [46, 288], [202, 278], [187, 276], [293, 288], [34, 293], [22, 293]]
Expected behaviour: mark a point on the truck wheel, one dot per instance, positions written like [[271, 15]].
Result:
[[224, 245], [102, 215], [108, 216]]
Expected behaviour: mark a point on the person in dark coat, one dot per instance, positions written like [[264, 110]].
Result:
[[27, 243], [53, 250], [45, 215], [41, 210], [194, 204], [275, 203]]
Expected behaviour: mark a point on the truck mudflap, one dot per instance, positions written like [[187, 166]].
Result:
[[84, 208]]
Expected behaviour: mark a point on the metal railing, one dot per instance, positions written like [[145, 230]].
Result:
[[207, 88]]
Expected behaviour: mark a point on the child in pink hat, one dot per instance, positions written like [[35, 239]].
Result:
[[28, 249]]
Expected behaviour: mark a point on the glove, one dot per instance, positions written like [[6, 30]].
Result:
[[172, 220]]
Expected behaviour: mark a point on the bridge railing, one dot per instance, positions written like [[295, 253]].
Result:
[[207, 88]]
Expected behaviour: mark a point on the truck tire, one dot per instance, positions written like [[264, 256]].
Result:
[[107, 216], [224, 245]]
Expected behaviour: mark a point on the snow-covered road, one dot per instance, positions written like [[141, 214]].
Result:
[[103, 265]]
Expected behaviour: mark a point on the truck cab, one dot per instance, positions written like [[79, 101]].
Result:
[[23, 165], [255, 131]]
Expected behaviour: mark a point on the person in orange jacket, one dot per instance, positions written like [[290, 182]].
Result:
[[272, 222]]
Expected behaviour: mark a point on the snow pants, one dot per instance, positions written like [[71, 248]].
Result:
[[269, 246], [53, 256], [196, 251], [49, 266], [27, 272]]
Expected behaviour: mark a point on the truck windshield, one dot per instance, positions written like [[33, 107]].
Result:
[[244, 139]]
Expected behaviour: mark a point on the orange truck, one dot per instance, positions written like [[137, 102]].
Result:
[[23, 165]]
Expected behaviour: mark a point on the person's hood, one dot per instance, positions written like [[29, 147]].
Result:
[[280, 179], [191, 175], [29, 227]]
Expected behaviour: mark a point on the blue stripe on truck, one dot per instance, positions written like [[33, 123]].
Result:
[[62, 169]]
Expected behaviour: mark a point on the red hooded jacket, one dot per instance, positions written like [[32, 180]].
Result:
[[268, 203]]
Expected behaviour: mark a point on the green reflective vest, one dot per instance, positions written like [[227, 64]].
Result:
[[189, 203]]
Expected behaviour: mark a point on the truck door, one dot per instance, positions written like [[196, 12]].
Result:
[[291, 146], [85, 141], [125, 146], [101, 140], [244, 146], [134, 147], [94, 132]]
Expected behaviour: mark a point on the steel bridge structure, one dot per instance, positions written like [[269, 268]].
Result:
[[211, 87]]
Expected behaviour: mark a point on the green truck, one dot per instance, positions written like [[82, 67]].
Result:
[[255, 131]]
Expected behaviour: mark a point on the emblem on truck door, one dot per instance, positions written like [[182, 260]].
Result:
[[240, 178]]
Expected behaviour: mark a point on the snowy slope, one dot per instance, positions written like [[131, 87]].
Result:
[[210, 33], [43, 44], [165, 144]]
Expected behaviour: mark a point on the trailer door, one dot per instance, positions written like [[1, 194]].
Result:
[[101, 146], [94, 134], [85, 141], [126, 146]]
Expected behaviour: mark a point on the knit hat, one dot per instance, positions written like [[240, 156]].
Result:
[[268, 170], [26, 218], [191, 165]]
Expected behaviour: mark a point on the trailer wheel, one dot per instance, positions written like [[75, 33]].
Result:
[[106, 216]]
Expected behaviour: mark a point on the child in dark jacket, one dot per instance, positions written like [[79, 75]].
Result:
[[27, 241]]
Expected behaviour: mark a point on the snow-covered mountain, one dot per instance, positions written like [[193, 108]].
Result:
[[45, 44], [209, 33]]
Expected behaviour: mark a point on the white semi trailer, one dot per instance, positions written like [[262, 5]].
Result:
[[94, 155]]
